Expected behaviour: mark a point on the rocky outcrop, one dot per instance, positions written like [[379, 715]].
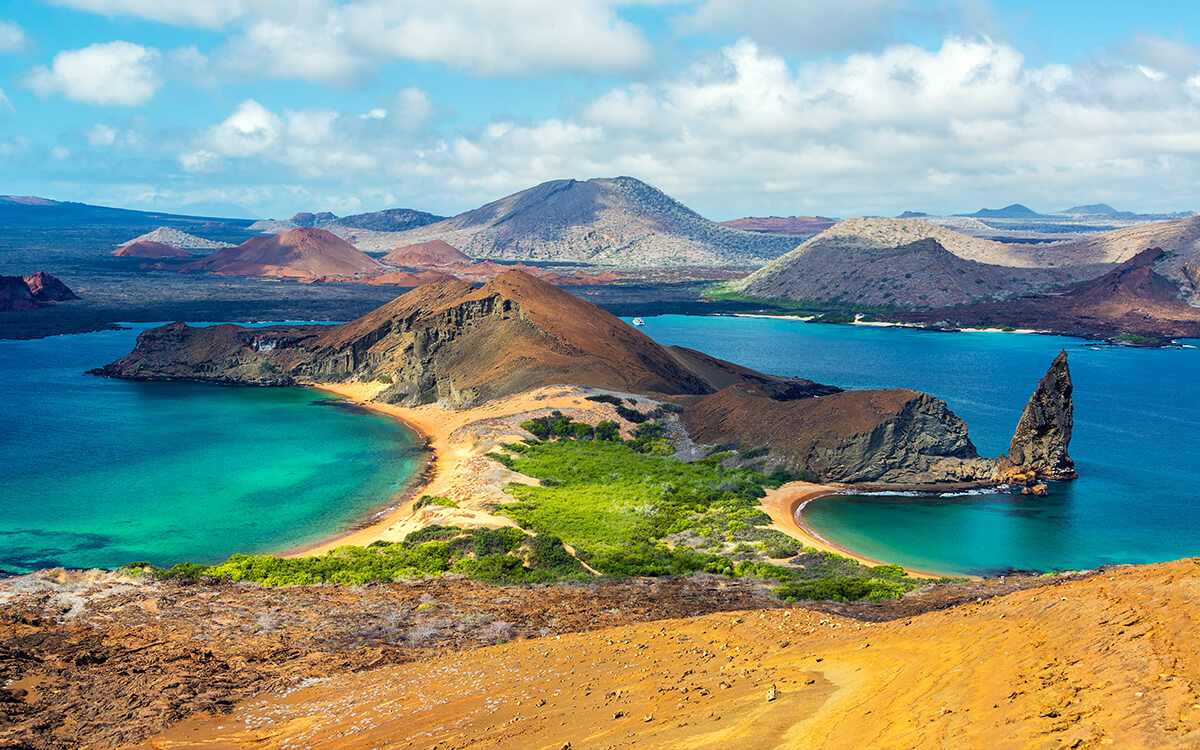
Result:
[[15, 295], [176, 239], [23, 293], [893, 437], [1039, 445]]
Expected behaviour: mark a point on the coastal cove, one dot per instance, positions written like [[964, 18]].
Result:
[[101, 472], [1136, 418]]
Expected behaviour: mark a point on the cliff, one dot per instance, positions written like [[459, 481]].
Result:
[[1043, 434], [885, 437]]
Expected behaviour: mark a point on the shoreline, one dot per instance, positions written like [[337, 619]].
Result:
[[912, 326], [435, 426], [785, 506]]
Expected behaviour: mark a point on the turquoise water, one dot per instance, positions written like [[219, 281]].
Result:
[[1136, 442], [101, 472]]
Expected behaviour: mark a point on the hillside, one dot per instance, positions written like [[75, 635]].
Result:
[[452, 343], [1180, 238], [618, 222], [1014, 211], [792, 225], [1103, 660], [902, 263], [149, 249], [1133, 299], [297, 253], [171, 238], [429, 254]]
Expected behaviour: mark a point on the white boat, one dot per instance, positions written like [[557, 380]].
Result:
[[639, 322]]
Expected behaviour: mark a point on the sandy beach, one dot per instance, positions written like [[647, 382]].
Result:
[[459, 468], [783, 504]]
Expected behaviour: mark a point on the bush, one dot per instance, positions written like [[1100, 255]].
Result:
[[427, 500]]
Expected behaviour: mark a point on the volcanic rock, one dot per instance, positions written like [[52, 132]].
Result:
[[15, 295], [431, 254], [47, 288], [149, 249], [1044, 433], [298, 253], [892, 437]]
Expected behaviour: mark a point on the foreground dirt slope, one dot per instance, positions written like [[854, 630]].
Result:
[[1103, 661]]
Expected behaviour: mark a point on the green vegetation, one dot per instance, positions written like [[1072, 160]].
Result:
[[630, 510], [384, 378], [1133, 339], [722, 291], [501, 556], [427, 500]]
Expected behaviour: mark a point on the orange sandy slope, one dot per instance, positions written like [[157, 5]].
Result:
[[1104, 661]]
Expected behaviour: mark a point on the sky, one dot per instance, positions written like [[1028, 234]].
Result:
[[736, 107]]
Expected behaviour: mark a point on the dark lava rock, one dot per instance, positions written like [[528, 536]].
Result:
[[1044, 432]]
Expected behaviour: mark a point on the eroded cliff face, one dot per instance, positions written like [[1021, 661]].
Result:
[[895, 437], [1039, 445]]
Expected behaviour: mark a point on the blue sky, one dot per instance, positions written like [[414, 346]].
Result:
[[734, 106]]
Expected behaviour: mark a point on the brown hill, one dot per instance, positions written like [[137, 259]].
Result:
[[24, 293], [619, 221], [790, 225], [890, 437], [149, 249], [450, 342], [404, 278], [905, 263], [47, 288], [431, 254], [1132, 299], [298, 253]]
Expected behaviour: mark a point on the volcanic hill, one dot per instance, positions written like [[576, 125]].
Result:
[[298, 253], [903, 263], [172, 238], [1133, 299], [618, 221], [149, 249], [24, 293], [451, 342], [431, 254]]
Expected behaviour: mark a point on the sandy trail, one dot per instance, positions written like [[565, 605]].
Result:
[[1104, 661]]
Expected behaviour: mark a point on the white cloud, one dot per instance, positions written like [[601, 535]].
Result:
[[815, 27], [203, 13], [60, 153], [251, 129], [114, 73], [12, 37], [5, 104], [342, 43], [101, 135], [199, 161]]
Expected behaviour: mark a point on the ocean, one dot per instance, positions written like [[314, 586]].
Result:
[[102, 472], [1136, 442]]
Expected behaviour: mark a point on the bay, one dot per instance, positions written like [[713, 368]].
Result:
[[1136, 442]]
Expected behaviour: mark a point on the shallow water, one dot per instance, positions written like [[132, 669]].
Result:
[[1136, 442], [101, 472]]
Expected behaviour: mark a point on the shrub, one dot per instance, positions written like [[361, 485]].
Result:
[[427, 500]]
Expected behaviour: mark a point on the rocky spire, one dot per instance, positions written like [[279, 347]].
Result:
[[1044, 432]]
